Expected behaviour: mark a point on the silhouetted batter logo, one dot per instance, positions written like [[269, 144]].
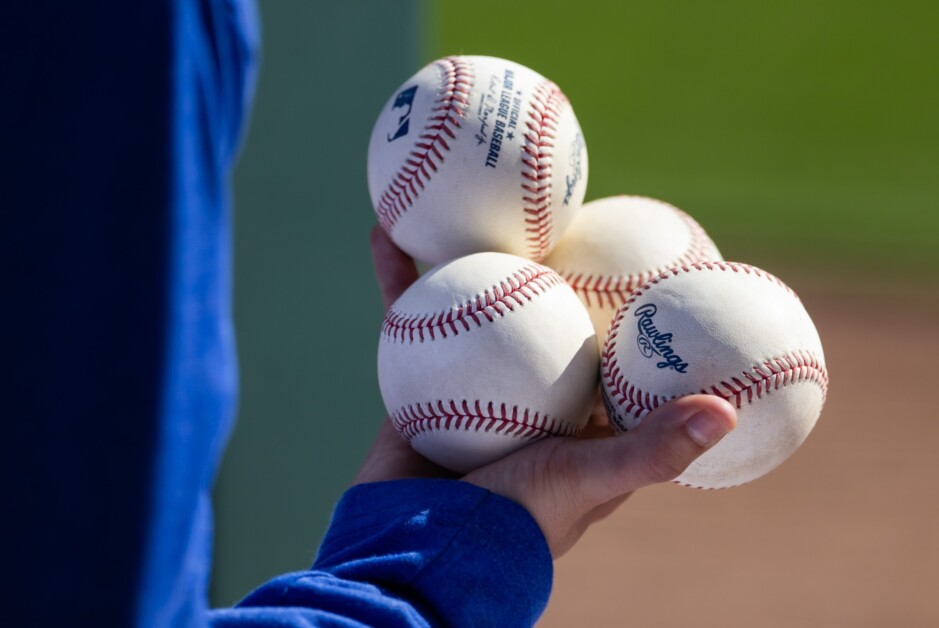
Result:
[[404, 99]]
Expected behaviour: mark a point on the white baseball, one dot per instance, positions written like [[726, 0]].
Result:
[[729, 330], [483, 355], [616, 244], [476, 154]]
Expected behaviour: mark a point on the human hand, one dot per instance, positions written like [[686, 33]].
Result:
[[566, 484], [391, 457]]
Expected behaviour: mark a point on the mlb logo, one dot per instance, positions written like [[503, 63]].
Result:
[[404, 99]]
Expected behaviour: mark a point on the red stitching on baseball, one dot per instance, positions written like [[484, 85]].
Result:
[[790, 368], [761, 379], [538, 154], [515, 290], [431, 144], [687, 268], [488, 416], [613, 290], [735, 267]]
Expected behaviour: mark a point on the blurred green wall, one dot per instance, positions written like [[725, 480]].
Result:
[[307, 312]]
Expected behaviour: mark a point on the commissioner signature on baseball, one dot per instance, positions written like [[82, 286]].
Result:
[[653, 342], [576, 159], [487, 105]]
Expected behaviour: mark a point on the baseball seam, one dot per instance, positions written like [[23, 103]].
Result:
[[613, 290], [537, 159], [515, 290], [413, 420], [431, 145], [703, 265], [622, 397], [771, 374]]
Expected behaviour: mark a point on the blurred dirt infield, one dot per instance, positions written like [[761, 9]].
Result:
[[845, 533]]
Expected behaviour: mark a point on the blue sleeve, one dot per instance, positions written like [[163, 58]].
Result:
[[124, 120], [413, 553], [121, 123]]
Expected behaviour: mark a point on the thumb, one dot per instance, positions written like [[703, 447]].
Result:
[[668, 440]]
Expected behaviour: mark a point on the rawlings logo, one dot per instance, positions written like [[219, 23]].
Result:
[[653, 342]]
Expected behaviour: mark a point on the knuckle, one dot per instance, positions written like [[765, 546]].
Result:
[[665, 463]]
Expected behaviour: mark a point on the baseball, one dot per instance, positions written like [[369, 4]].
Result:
[[729, 330], [476, 154], [616, 244], [483, 355]]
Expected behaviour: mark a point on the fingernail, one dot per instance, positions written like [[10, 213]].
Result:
[[705, 429]]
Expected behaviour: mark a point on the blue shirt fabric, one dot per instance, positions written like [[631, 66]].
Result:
[[413, 553], [121, 124]]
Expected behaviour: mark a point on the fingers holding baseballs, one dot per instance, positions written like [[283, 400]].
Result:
[[478, 167], [723, 329], [394, 269]]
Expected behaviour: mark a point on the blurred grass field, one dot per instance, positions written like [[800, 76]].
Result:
[[801, 134]]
